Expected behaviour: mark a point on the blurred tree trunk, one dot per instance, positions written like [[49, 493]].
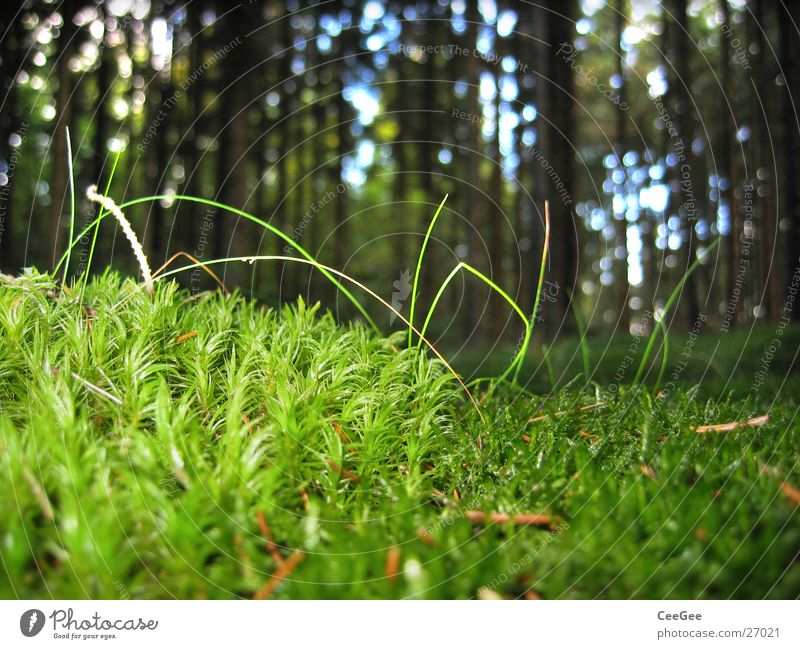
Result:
[[473, 311], [765, 204], [499, 317], [728, 194], [621, 265], [344, 117], [103, 81], [540, 51], [558, 148], [235, 133], [190, 215], [160, 104], [523, 208], [790, 105], [682, 110], [403, 210], [10, 122], [59, 200], [286, 91]]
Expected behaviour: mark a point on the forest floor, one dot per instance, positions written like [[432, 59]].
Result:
[[167, 446]]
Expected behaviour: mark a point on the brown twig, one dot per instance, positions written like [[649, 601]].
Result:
[[648, 472], [425, 536], [185, 336], [40, 494], [284, 570], [180, 253], [792, 493], [270, 540], [732, 425], [343, 436], [348, 475], [540, 520], [393, 564]]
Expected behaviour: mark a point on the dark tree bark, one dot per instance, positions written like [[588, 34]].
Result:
[[103, 79], [682, 146], [10, 122], [64, 117], [474, 309], [403, 210], [348, 50], [498, 317], [764, 137], [235, 137], [557, 146], [189, 215], [528, 247], [286, 91], [790, 105], [621, 265], [728, 170]]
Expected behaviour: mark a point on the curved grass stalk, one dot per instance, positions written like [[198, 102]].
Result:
[[249, 217], [322, 267], [664, 356], [72, 198], [489, 283], [529, 328], [495, 379], [419, 267], [181, 253], [670, 301]]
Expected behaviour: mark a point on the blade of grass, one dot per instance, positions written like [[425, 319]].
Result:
[[181, 253], [529, 329], [664, 356], [672, 298], [419, 267], [72, 201], [489, 283]]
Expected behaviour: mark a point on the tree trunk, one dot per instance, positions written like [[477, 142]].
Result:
[[766, 208], [621, 265], [558, 152], [729, 171], [58, 149], [790, 105], [100, 117], [499, 316], [10, 122], [682, 145], [473, 312]]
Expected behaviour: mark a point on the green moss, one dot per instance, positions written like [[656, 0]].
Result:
[[134, 465]]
